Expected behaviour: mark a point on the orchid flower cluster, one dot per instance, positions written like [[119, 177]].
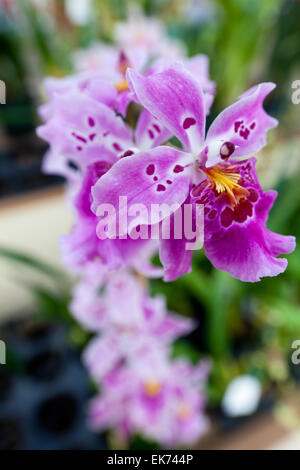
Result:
[[143, 391], [131, 124]]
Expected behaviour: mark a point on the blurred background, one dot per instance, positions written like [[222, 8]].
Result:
[[245, 329]]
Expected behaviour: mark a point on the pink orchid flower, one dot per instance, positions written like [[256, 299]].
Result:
[[153, 396], [207, 171], [118, 301], [149, 34], [87, 139]]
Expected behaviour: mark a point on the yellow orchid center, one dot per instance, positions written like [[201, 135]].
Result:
[[152, 388], [226, 180], [122, 85]]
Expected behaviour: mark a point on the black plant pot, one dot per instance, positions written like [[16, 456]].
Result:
[[44, 391]]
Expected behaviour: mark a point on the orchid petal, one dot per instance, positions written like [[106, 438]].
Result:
[[149, 133], [175, 253], [82, 130], [102, 355], [175, 98], [243, 124], [159, 176]]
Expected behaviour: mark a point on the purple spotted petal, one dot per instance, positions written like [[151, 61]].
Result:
[[175, 98], [243, 124], [83, 199], [249, 253], [82, 131], [236, 237], [159, 176], [149, 132], [198, 66]]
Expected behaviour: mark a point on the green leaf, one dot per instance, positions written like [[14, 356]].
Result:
[[182, 348], [287, 315], [217, 319], [31, 262]]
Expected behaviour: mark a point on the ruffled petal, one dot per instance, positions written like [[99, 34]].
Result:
[[175, 98], [244, 124], [56, 164], [82, 246], [107, 412], [248, 253]]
